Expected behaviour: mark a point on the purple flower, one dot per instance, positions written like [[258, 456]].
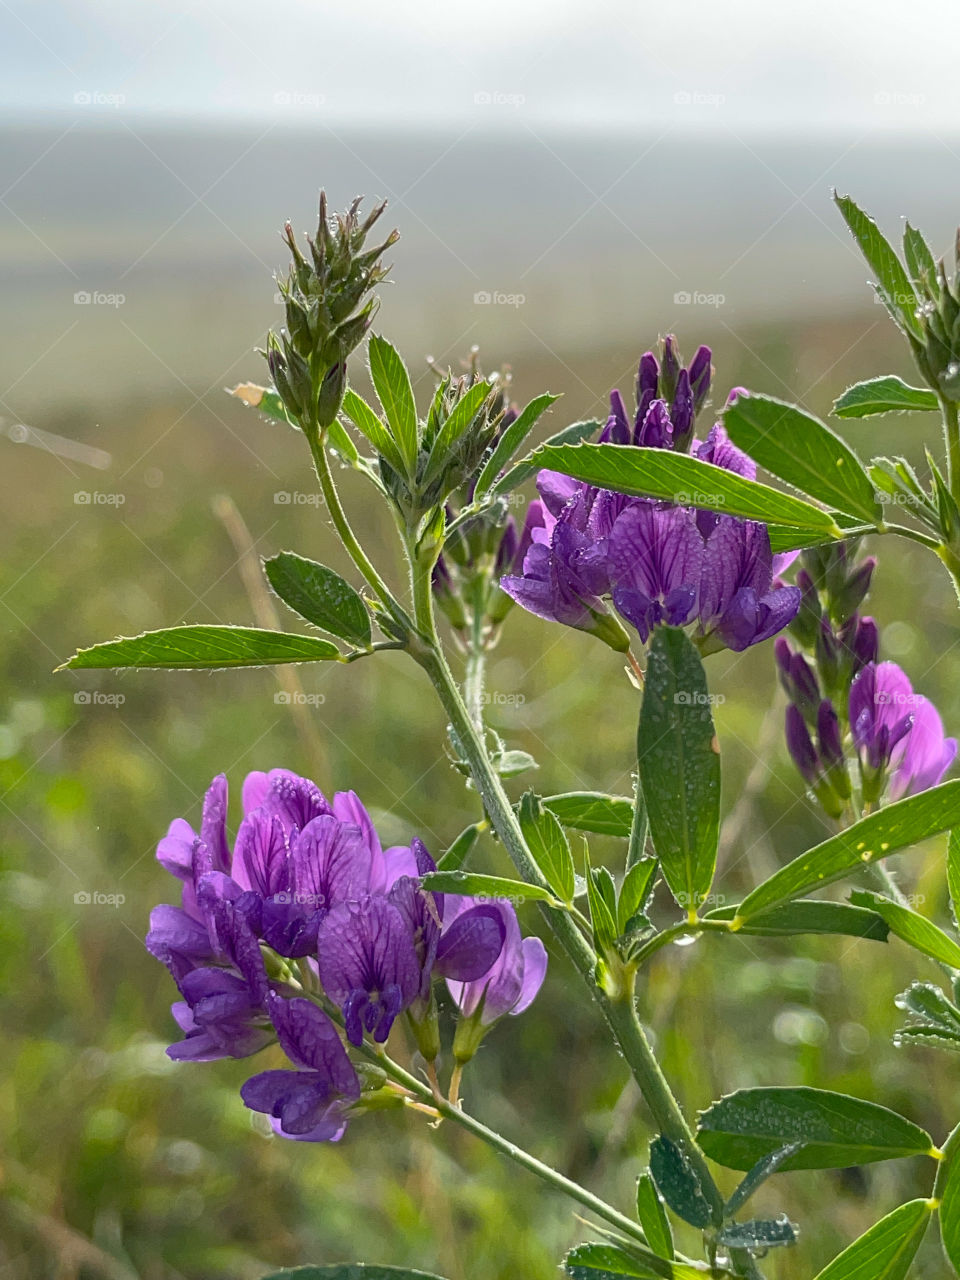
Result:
[[655, 558], [739, 606], [368, 964], [308, 1104], [512, 982], [896, 731]]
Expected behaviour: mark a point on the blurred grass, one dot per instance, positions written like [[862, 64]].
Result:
[[118, 1163]]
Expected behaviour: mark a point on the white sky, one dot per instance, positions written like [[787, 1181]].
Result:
[[760, 64]]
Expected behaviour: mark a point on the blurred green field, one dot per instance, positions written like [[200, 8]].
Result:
[[118, 1163]]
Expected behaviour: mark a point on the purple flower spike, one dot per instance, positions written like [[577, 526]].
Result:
[[368, 965], [307, 1104], [655, 556]]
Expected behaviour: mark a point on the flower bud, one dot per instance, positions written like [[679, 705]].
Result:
[[669, 367], [700, 374], [682, 413], [866, 644]]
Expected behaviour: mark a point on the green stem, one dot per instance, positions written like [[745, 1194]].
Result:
[[620, 1014], [342, 525], [521, 1157], [639, 827], [951, 435]]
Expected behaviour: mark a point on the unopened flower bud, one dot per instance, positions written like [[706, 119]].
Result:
[[682, 413], [669, 367], [700, 373]]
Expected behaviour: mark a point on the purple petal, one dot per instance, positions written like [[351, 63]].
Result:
[[331, 862], [213, 824], [310, 1040], [556, 490], [471, 945], [175, 850], [534, 972], [260, 855]]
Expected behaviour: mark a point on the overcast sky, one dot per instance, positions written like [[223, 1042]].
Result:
[[741, 64]]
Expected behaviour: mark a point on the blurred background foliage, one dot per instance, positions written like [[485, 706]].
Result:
[[116, 1162]]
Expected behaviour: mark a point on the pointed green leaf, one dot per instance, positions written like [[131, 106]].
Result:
[[801, 450], [530, 465], [889, 394], [610, 1262], [928, 1002], [548, 846], [836, 1130], [653, 1218], [204, 647], [676, 477], [454, 858], [511, 440], [603, 911], [929, 1038], [392, 384], [765, 1167], [474, 885], [370, 426], [880, 834], [678, 1183], [462, 415], [886, 1251], [809, 915], [592, 811], [319, 595], [953, 870], [680, 766], [920, 262], [911, 927], [950, 1208], [635, 893], [893, 284]]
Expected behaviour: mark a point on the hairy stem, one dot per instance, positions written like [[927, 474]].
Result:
[[620, 1014], [951, 435]]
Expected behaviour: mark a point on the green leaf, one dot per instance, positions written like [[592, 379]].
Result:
[[204, 648], [929, 1038], [609, 1262], [886, 1250], [603, 911], [271, 406], [635, 894], [765, 1167], [392, 384], [950, 1210], [549, 847], [920, 262], [454, 858], [801, 450], [511, 763], [530, 465], [676, 477], [319, 595], [511, 440], [370, 426], [351, 1271], [836, 1130], [653, 1218], [911, 927], [472, 884], [889, 394], [953, 870], [880, 834], [924, 1000], [764, 1233], [678, 1183], [893, 284], [463, 414], [808, 915], [680, 766], [592, 811]]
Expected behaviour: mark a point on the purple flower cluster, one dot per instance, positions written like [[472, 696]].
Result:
[[844, 700], [656, 562], [308, 898]]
